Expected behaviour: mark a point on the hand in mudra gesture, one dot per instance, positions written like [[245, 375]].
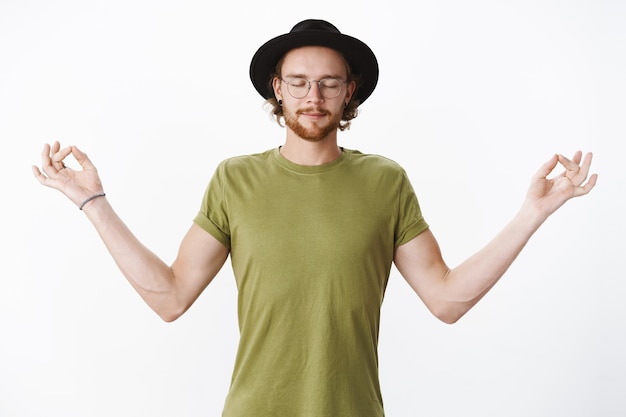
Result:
[[546, 195], [77, 185]]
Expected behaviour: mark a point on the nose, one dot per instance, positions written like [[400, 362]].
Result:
[[315, 94]]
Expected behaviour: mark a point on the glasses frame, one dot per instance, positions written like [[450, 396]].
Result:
[[319, 86]]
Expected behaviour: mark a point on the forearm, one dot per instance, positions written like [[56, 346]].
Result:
[[149, 275], [463, 286]]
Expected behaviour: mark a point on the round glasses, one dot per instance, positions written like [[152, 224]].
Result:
[[299, 87]]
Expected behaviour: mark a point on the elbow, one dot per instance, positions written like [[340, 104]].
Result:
[[168, 317], [448, 313], [450, 309], [448, 318], [169, 306], [170, 313]]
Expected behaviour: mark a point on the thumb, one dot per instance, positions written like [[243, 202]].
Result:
[[547, 167], [82, 159]]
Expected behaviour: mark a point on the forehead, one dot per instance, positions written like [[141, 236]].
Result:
[[314, 61]]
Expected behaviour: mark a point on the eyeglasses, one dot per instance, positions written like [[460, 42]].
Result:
[[329, 87]]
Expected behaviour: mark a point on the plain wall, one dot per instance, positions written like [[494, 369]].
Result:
[[473, 97]]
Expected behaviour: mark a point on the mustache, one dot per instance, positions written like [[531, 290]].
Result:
[[313, 110]]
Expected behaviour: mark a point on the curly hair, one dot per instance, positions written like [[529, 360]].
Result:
[[349, 112]]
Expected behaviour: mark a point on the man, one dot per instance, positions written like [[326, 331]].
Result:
[[312, 230]]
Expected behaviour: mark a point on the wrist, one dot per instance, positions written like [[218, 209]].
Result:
[[530, 216], [89, 200]]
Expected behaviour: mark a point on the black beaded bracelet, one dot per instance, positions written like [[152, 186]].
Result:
[[89, 199]]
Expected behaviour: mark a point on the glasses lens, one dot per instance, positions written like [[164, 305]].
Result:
[[298, 87], [330, 87]]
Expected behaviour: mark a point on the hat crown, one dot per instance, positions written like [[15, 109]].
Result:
[[314, 25]]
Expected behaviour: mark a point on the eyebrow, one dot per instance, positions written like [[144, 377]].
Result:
[[306, 77]]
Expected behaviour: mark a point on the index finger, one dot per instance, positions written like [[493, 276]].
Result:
[[52, 154], [578, 174], [61, 154]]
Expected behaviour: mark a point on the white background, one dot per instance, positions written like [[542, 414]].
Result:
[[473, 97]]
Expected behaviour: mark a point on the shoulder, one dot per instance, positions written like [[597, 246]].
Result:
[[243, 165], [246, 161], [375, 163]]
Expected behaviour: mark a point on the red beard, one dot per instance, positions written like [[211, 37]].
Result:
[[317, 131]]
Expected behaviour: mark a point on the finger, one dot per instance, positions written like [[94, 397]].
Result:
[[567, 163], [584, 168], [547, 167], [52, 158], [60, 155], [580, 174], [82, 159], [56, 145], [37, 173], [575, 159], [54, 150], [46, 161], [587, 187], [571, 167], [587, 161], [40, 177]]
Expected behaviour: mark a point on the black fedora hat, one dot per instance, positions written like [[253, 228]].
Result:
[[313, 32]]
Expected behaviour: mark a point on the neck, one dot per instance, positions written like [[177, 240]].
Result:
[[305, 152]]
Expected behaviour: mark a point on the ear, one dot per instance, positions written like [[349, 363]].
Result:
[[350, 89], [276, 84]]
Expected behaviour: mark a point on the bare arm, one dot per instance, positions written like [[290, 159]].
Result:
[[168, 290], [450, 293]]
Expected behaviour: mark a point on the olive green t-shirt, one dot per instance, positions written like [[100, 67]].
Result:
[[311, 249]]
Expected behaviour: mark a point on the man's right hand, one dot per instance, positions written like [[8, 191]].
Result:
[[77, 185]]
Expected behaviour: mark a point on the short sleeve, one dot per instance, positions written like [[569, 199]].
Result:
[[213, 214], [410, 220]]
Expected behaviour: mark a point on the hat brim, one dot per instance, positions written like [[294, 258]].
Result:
[[360, 57]]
